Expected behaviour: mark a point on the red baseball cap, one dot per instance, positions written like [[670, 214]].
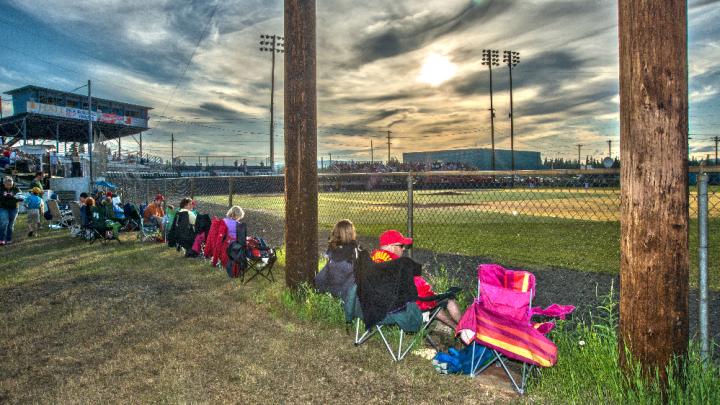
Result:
[[109, 194], [393, 237], [159, 197]]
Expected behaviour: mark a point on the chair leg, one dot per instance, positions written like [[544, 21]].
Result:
[[387, 345], [519, 388]]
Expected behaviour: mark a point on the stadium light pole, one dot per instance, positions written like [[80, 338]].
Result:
[[511, 58], [490, 58], [716, 139], [90, 133], [273, 44]]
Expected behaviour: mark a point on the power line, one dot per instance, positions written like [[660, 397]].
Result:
[[202, 35]]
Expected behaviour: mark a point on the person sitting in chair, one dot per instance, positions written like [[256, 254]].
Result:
[[234, 215], [154, 213], [186, 205], [337, 276], [392, 246]]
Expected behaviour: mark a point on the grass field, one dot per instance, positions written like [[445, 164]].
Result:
[[138, 323], [533, 228]]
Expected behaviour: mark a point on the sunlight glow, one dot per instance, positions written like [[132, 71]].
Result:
[[436, 69]]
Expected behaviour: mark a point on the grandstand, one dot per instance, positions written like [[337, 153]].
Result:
[[52, 115]]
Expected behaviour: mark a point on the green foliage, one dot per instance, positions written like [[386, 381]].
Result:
[[441, 281], [588, 369], [310, 305]]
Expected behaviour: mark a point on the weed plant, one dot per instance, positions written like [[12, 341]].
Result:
[[588, 369]]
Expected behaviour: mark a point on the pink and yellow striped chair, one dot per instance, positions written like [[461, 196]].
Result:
[[500, 320]]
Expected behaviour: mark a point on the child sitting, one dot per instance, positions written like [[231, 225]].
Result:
[[35, 205]]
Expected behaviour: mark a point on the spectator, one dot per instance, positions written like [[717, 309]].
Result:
[[75, 170], [392, 246], [337, 276], [234, 215], [186, 205], [154, 213], [86, 211], [5, 159], [54, 160], [35, 206], [8, 209], [83, 197], [38, 181]]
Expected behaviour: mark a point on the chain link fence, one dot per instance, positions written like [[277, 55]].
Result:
[[555, 219]]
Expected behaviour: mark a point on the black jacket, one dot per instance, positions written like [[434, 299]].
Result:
[[7, 197], [384, 287]]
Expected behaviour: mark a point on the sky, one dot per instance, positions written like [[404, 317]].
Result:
[[411, 67]]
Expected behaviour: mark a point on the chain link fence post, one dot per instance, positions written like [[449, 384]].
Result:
[[703, 263], [230, 192], [410, 208], [192, 188]]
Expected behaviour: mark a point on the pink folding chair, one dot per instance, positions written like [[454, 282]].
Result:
[[500, 320]]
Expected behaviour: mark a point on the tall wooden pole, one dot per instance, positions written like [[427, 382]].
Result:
[[654, 182], [301, 181]]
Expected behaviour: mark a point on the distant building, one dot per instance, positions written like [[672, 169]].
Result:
[[479, 158]]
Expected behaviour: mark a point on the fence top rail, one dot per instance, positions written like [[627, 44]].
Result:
[[523, 173]]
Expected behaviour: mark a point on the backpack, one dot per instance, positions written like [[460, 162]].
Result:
[[256, 247]]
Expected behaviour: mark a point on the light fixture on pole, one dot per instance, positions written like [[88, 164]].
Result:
[[511, 59], [273, 44], [490, 58]]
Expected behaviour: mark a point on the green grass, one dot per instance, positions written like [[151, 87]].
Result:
[[588, 370], [139, 323]]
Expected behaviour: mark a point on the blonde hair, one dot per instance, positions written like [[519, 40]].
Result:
[[343, 233], [236, 213]]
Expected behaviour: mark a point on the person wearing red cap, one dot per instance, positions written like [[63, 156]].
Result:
[[154, 213], [392, 246]]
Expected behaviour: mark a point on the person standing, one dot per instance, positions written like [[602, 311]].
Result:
[[9, 200], [75, 164], [38, 181], [54, 160], [35, 206]]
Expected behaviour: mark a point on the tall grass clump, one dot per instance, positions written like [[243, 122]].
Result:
[[309, 305], [588, 369], [441, 281]]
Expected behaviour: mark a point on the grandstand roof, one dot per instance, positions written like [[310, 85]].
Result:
[[31, 87], [54, 115]]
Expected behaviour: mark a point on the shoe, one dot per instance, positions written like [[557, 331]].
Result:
[[2, 243], [30, 234], [8, 242]]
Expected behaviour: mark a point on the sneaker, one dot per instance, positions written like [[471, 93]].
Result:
[[8, 242], [2, 243], [29, 235]]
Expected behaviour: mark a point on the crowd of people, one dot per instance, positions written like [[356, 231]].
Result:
[[394, 166]]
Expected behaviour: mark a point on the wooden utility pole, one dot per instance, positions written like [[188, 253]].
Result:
[[301, 181], [654, 182]]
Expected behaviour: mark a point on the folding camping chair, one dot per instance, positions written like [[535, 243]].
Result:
[[148, 231], [502, 309], [403, 319], [60, 219], [260, 258], [77, 222]]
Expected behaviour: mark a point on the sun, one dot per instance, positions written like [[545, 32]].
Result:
[[436, 69]]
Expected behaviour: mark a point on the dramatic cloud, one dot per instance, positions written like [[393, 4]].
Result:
[[210, 84]]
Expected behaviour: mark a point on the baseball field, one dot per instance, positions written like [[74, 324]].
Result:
[[536, 228]]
